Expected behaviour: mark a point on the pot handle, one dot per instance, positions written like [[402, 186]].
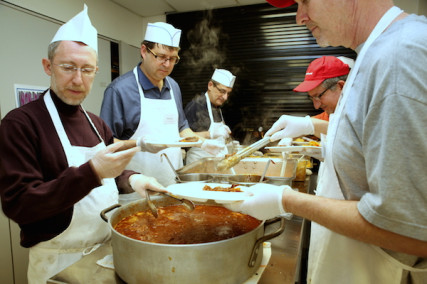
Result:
[[258, 242], [105, 211]]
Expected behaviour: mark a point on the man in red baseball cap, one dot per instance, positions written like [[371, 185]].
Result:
[[281, 3], [324, 80]]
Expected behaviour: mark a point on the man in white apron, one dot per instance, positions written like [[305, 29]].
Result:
[[145, 105], [369, 223], [204, 113], [57, 173]]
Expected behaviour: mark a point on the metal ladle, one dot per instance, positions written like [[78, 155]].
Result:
[[265, 170], [170, 164], [186, 202]]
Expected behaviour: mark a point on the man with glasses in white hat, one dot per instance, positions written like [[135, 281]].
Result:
[[56, 171], [145, 105], [205, 116]]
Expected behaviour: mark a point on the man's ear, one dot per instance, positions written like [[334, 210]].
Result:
[[47, 66]]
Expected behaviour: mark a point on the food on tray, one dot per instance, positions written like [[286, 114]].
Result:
[[313, 143], [177, 225], [228, 163], [189, 139], [309, 141], [232, 188]]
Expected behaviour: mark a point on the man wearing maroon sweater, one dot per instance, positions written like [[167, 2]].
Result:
[[56, 172]]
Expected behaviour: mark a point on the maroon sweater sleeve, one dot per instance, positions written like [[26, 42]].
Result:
[[38, 188]]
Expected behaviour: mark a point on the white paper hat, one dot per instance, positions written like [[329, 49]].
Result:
[[224, 77], [79, 28], [346, 60], [163, 33]]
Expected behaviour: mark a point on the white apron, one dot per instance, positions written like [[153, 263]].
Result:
[[87, 231], [159, 121], [195, 153], [334, 258]]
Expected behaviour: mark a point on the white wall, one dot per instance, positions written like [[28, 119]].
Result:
[[108, 18]]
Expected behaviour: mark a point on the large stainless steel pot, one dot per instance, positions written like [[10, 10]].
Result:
[[230, 261]]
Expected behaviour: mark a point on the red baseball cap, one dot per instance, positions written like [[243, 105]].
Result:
[[281, 3], [321, 69]]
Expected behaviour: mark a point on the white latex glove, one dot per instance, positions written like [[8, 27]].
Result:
[[213, 146], [219, 130], [265, 203], [290, 126], [148, 147], [140, 183], [108, 163], [287, 141]]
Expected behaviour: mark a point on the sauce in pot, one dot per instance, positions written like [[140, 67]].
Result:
[[178, 225]]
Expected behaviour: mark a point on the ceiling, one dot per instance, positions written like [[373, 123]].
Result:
[[149, 8]]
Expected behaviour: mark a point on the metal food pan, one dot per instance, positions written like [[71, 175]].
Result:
[[247, 166]]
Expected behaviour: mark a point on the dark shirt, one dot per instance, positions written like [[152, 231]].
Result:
[[38, 188], [197, 114]]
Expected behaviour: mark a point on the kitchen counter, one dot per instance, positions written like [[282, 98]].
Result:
[[287, 252]]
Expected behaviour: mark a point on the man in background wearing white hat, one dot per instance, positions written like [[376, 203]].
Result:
[[204, 113], [56, 172], [145, 105]]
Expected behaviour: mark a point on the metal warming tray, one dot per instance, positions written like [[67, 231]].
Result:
[[275, 174]]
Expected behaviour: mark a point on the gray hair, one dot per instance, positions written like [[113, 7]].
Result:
[[51, 49], [332, 82]]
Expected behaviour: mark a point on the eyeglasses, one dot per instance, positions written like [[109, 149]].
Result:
[[317, 98], [222, 91], [71, 69], [163, 58]]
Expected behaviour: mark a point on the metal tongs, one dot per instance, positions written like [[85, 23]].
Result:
[[187, 203], [235, 159]]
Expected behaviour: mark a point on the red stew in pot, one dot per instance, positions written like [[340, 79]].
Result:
[[178, 225]]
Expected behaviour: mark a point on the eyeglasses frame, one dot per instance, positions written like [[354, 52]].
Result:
[[164, 60], [318, 97], [64, 67]]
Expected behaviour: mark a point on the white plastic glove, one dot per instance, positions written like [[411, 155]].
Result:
[[213, 146], [219, 130], [148, 147], [287, 141], [265, 203], [290, 126], [108, 163], [140, 183]]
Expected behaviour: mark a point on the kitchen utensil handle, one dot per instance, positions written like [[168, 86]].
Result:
[[258, 243], [105, 211]]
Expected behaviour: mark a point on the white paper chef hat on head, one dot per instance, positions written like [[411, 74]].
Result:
[[79, 28], [224, 77], [163, 33]]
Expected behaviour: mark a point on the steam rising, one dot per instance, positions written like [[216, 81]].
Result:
[[204, 51]]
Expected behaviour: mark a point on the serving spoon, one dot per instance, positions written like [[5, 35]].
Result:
[[170, 164], [186, 202]]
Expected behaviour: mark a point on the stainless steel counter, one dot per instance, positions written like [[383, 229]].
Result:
[[284, 265]]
